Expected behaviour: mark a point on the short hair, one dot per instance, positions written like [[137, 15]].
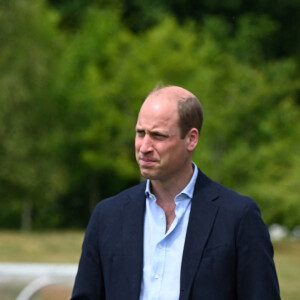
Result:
[[190, 115]]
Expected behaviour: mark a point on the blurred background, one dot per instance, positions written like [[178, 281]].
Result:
[[73, 75]]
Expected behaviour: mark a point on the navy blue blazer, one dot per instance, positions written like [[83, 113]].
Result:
[[227, 254]]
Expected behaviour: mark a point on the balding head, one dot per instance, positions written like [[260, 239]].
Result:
[[189, 109], [172, 92], [163, 150]]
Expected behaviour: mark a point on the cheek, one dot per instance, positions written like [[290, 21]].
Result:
[[168, 152], [136, 144], [175, 152]]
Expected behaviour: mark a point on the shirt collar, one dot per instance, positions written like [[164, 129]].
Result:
[[188, 190]]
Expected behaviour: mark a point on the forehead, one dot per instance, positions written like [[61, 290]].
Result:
[[158, 112]]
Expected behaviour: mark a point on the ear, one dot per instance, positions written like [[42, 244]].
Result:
[[192, 139]]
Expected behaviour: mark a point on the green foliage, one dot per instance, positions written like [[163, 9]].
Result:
[[96, 120], [27, 53], [139, 16], [247, 110], [255, 120], [70, 98]]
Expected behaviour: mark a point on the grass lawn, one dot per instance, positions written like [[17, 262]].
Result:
[[56, 247], [287, 260], [65, 247]]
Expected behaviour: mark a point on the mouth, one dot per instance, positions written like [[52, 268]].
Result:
[[146, 162]]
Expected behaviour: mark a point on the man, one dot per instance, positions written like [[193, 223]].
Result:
[[178, 235]]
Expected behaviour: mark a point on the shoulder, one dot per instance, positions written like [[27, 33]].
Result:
[[239, 211], [230, 196], [108, 212], [222, 196], [119, 199]]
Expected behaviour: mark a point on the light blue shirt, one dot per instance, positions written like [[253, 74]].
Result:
[[163, 250]]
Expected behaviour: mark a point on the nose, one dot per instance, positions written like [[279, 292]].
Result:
[[145, 144]]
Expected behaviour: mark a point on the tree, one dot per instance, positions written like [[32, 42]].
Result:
[[251, 113], [247, 108], [97, 120], [139, 16], [30, 174], [70, 100]]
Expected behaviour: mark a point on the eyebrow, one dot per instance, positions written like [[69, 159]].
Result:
[[152, 132]]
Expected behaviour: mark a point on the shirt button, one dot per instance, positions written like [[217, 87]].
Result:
[[156, 276], [161, 216], [159, 245]]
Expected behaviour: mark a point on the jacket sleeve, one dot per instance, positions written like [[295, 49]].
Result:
[[89, 282], [256, 274]]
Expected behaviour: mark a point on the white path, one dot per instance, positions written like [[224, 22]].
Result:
[[25, 272], [36, 276]]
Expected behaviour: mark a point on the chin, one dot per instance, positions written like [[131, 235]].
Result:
[[146, 174]]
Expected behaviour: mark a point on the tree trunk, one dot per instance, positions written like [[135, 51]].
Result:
[[26, 219], [94, 193]]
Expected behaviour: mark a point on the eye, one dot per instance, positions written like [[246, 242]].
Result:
[[159, 136], [140, 133]]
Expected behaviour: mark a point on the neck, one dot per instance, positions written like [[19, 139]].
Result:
[[166, 190]]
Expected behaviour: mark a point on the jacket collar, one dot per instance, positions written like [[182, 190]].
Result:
[[202, 216], [133, 238]]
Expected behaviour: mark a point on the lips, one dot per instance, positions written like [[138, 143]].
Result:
[[146, 162]]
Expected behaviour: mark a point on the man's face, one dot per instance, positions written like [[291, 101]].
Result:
[[160, 151]]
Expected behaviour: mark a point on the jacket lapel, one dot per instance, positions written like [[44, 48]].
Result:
[[202, 216], [133, 233]]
